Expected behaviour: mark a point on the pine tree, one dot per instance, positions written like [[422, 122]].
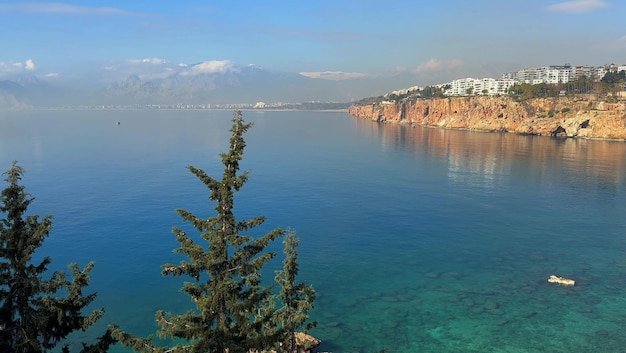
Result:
[[233, 308], [297, 298], [34, 316]]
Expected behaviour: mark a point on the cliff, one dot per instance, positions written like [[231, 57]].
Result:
[[563, 116]]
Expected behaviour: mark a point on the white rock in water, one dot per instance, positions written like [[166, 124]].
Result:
[[562, 281]]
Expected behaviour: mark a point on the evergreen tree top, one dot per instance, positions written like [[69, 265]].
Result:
[[234, 310], [34, 315]]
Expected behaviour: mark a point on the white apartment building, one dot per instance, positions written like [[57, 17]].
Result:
[[600, 72], [548, 74], [560, 73], [485, 86], [459, 87], [580, 71], [557, 74], [529, 75], [504, 85], [406, 91], [553, 74]]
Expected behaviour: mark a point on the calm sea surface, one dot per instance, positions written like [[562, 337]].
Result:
[[415, 239]]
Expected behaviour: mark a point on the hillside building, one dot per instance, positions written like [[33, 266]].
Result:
[[554, 74], [560, 73], [472, 86]]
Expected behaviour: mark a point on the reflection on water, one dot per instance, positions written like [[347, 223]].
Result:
[[416, 239], [481, 159]]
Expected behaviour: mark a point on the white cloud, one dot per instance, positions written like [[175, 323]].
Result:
[[334, 75], [52, 75], [577, 6], [17, 67], [154, 61], [438, 65], [30, 65], [210, 67], [60, 8]]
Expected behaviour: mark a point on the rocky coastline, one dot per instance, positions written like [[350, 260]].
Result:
[[571, 116]]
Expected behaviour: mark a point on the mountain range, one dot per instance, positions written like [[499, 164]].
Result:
[[147, 81]]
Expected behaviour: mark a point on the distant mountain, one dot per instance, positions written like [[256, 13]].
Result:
[[22, 91], [248, 84], [157, 82], [12, 95]]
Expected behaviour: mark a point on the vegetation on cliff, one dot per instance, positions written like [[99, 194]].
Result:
[[607, 88], [426, 92]]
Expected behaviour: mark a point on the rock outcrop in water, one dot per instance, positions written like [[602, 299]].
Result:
[[562, 116], [566, 282]]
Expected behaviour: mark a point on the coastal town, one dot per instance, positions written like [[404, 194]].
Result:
[[553, 74], [566, 100]]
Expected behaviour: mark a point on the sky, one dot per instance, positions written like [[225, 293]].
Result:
[[428, 41]]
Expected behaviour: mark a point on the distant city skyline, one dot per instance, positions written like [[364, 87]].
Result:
[[425, 42]]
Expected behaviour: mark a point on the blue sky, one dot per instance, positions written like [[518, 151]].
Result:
[[428, 40]]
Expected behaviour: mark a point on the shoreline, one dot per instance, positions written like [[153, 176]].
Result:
[[571, 117]]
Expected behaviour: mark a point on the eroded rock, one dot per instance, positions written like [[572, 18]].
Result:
[[563, 116]]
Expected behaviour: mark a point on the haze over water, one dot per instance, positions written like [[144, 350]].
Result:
[[415, 239]]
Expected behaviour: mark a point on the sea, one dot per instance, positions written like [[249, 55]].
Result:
[[415, 239]]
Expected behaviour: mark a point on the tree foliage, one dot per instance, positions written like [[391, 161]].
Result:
[[614, 81], [34, 314], [581, 85], [611, 82], [614, 77], [525, 91], [434, 91], [297, 298], [234, 311]]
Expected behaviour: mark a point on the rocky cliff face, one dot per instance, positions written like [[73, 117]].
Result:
[[563, 116]]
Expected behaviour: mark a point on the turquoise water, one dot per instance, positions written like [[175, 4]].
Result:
[[416, 239]]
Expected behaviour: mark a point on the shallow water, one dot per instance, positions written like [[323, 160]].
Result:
[[416, 239]]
